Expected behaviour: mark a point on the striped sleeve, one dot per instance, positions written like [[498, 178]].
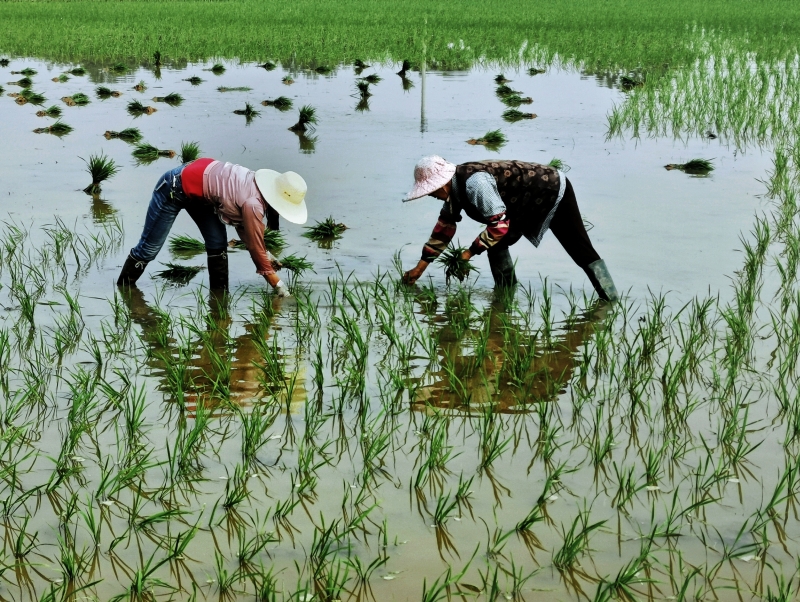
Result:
[[494, 232], [441, 236]]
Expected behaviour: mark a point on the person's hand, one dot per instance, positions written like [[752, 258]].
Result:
[[276, 265], [282, 292], [412, 275], [466, 255]]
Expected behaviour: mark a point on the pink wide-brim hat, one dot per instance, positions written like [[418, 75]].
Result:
[[430, 174]]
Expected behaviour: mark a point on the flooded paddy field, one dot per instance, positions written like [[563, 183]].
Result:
[[367, 440]]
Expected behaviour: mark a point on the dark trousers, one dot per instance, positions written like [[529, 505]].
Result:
[[566, 225]]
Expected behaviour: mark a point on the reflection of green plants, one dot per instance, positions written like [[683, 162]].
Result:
[[101, 168]]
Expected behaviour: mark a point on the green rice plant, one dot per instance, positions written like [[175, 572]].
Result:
[[328, 229], [492, 140], [576, 541], [628, 83], [621, 587], [282, 103], [25, 82], [78, 99], [268, 66], [29, 96], [514, 115], [51, 111], [306, 120], [27, 72], [216, 69], [249, 112], [535, 71], [119, 68], [454, 265], [274, 240], [157, 58], [695, 166], [503, 90], [287, 80], [141, 86], [146, 153], [372, 78], [362, 89], [181, 244], [194, 80], [143, 581], [514, 100], [4, 62], [558, 164], [77, 71], [136, 109], [179, 274], [501, 79], [101, 168], [236, 89], [63, 78], [361, 65], [129, 135], [103, 93], [190, 151], [296, 264], [173, 99], [59, 128]]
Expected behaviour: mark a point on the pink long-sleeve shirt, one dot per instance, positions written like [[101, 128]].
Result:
[[232, 190]]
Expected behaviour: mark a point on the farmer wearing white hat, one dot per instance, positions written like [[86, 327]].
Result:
[[514, 199], [216, 194]]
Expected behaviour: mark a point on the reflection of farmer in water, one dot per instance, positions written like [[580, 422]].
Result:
[[513, 199], [214, 194]]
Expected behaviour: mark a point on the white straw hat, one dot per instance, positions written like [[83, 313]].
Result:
[[285, 193], [430, 174]]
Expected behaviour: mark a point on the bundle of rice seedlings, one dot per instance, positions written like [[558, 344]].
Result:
[[559, 164], [130, 135], [76, 100], [119, 68], [535, 71], [492, 140], [146, 153], [189, 151], [101, 168], [513, 115], [287, 79], [103, 93], [194, 80], [140, 87], [274, 241], [307, 120], [327, 229], [58, 128], [629, 83], [179, 274], [281, 103], [501, 79], [216, 69], [695, 166], [296, 264], [173, 99], [504, 90], [268, 66], [514, 100], [237, 89], [359, 64], [61, 78], [77, 71], [405, 67], [362, 88], [136, 108], [248, 111], [157, 58], [27, 72], [25, 82], [4, 62], [51, 111], [454, 265], [372, 78], [323, 70], [181, 244], [29, 96]]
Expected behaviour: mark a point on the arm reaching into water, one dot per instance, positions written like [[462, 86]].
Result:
[[442, 234]]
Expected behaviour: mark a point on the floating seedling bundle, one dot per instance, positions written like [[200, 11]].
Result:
[[51, 111], [178, 274], [287, 80], [492, 140], [236, 89], [147, 153], [173, 99], [63, 78], [136, 109], [268, 66], [183, 245], [194, 80], [29, 96], [513, 115], [25, 82], [76, 100], [282, 103], [130, 135], [101, 168], [216, 69], [59, 128], [140, 87], [103, 92], [307, 119], [77, 71], [694, 167], [248, 111], [326, 230]]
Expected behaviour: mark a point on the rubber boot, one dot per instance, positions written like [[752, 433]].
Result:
[[131, 271], [218, 270], [502, 267], [597, 271]]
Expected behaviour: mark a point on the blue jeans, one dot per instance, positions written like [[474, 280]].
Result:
[[165, 205]]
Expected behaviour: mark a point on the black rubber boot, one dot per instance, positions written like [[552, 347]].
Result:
[[218, 270], [131, 271], [502, 267], [598, 274]]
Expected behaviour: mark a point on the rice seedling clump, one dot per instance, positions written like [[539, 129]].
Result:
[[147, 153], [59, 128], [76, 100], [181, 244], [492, 140], [130, 135], [51, 111], [694, 166], [455, 266], [101, 168], [327, 229], [173, 99], [282, 103], [103, 92], [136, 109], [189, 151], [178, 274], [307, 119]]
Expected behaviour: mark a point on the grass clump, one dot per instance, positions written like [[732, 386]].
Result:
[[362, 89], [282, 103], [27, 72], [181, 244], [695, 166], [296, 264], [141, 86], [77, 71], [101, 168], [103, 93], [189, 151], [454, 265], [216, 69], [29, 96], [501, 79], [306, 120], [503, 90], [147, 153], [51, 111], [514, 115], [248, 111], [194, 80], [558, 164], [4, 62], [236, 89], [179, 274], [492, 140], [130, 135], [372, 78], [61, 78], [328, 229], [136, 109], [76, 100], [287, 80], [59, 128], [514, 100], [535, 71], [268, 66], [274, 241], [25, 82], [173, 99], [119, 68], [629, 83]]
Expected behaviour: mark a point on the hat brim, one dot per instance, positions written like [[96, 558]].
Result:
[[426, 187], [266, 180]]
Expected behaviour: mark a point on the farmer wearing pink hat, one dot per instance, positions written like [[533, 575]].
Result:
[[514, 199]]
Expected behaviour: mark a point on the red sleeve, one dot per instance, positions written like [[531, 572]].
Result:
[[252, 233]]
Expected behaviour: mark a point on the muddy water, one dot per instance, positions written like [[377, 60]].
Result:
[[659, 230]]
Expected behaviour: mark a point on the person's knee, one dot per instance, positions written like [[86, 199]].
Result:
[[145, 252]]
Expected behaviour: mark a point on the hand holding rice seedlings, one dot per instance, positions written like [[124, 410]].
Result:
[[76, 100], [59, 128], [282, 103], [328, 229], [189, 151], [194, 80], [147, 153], [61, 78], [103, 93], [236, 89], [25, 82], [141, 86], [559, 164], [455, 266], [136, 109], [51, 111], [492, 140], [179, 274], [513, 115], [101, 168], [307, 120], [183, 245], [129, 135], [695, 166], [173, 99], [287, 80]]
